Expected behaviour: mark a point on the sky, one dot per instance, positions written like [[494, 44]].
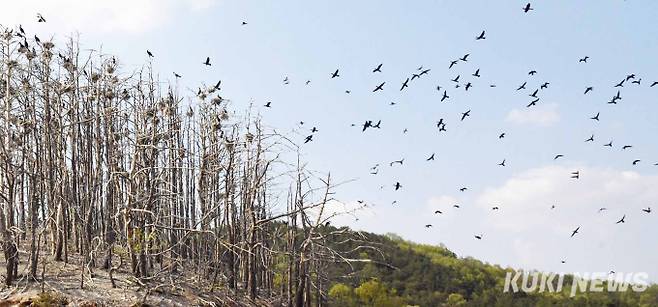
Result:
[[308, 40]]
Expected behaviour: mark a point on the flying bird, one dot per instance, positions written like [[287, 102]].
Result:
[[627, 147], [527, 8], [532, 72], [40, 18], [431, 158], [622, 220], [558, 156], [308, 139], [335, 74], [588, 89], [445, 96], [150, 54], [379, 87], [573, 233], [636, 161], [465, 57], [397, 186], [477, 73], [453, 63], [596, 118], [502, 163], [404, 84], [575, 175], [207, 62], [522, 87], [481, 36], [268, 104], [583, 60], [378, 68], [466, 114], [591, 139], [647, 210]]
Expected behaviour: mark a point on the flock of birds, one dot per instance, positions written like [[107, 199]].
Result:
[[442, 124]]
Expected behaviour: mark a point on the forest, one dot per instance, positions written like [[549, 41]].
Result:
[[117, 180]]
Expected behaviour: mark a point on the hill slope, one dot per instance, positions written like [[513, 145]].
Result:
[[427, 275]]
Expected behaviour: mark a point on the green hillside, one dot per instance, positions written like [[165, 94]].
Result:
[[424, 275]]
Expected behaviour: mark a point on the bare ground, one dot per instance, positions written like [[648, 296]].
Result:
[[61, 284]]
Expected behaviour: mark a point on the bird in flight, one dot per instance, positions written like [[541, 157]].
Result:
[[431, 158], [608, 145], [532, 72], [558, 156], [495, 208], [533, 103], [445, 96], [397, 186], [481, 36], [468, 85], [477, 73], [244, 23], [527, 8], [596, 118], [479, 237], [636, 161], [588, 89], [150, 54], [622, 220], [207, 62], [308, 139], [176, 75], [575, 175], [654, 84], [428, 225], [502, 163], [621, 84], [405, 84], [379, 87], [545, 85], [522, 87], [40, 18], [268, 104], [573, 233], [591, 139], [456, 79], [453, 63], [465, 57], [466, 114], [401, 162], [627, 147], [534, 94], [438, 212], [602, 209], [583, 60], [378, 68], [335, 74], [647, 210]]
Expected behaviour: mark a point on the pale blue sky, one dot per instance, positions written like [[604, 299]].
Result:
[[307, 40]]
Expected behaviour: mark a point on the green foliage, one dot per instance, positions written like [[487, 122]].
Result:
[[426, 275]]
